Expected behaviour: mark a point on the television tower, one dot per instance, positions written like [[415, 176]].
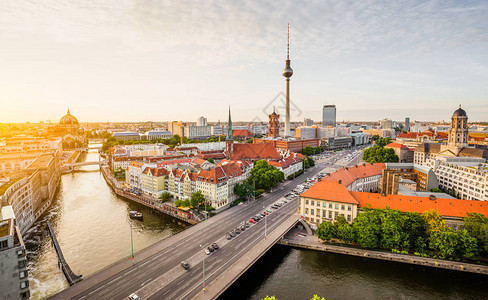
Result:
[[287, 73]]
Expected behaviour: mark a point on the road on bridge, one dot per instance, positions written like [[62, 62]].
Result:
[[158, 266]]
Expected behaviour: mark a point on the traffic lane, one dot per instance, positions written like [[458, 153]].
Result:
[[230, 253]]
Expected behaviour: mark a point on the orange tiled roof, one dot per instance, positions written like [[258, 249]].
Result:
[[254, 151], [349, 175], [446, 207], [396, 145], [408, 135], [331, 191], [241, 132], [136, 164]]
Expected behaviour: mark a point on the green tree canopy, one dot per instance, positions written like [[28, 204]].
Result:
[[165, 196], [326, 230], [382, 142], [197, 199], [377, 154], [265, 176]]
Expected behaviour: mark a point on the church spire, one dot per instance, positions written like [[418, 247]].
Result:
[[230, 137]]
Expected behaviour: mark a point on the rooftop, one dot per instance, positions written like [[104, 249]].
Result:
[[4, 187], [41, 162]]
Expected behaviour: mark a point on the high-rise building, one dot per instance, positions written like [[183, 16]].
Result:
[[407, 124], [287, 73], [274, 125], [202, 121], [386, 124], [329, 115], [307, 122]]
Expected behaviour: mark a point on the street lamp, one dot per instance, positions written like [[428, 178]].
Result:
[[132, 244], [203, 252]]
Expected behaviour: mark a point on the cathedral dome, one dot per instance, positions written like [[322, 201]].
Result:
[[69, 119], [459, 112]]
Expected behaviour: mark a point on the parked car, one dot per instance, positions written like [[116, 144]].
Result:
[[243, 227], [134, 297], [266, 213], [252, 221], [185, 265], [207, 251], [247, 225], [232, 233], [210, 248], [229, 236], [237, 230], [215, 246]]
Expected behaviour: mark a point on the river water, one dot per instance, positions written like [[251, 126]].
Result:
[[93, 228]]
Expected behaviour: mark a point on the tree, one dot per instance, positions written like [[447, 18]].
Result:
[[468, 245], [345, 232], [377, 154], [197, 199], [382, 142], [434, 222], [392, 235], [477, 226], [445, 242], [375, 137], [165, 196], [211, 160], [366, 228], [265, 176], [269, 298], [244, 190], [326, 231]]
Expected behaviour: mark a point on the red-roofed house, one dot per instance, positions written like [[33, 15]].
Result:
[[404, 153], [325, 200], [242, 134], [361, 178], [153, 181], [253, 152]]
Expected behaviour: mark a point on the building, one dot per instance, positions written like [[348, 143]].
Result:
[[289, 144], [383, 133], [307, 122], [360, 178], [242, 134], [343, 131], [158, 135], [197, 132], [217, 130], [325, 200], [153, 181], [14, 281], [329, 115], [359, 138], [68, 124], [306, 132], [386, 124], [253, 152], [133, 174], [177, 128], [202, 121], [274, 125], [467, 177], [126, 136], [423, 177], [334, 143], [405, 154], [290, 164], [407, 124], [325, 132]]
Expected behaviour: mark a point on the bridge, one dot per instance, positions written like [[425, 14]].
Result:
[[156, 272], [71, 277]]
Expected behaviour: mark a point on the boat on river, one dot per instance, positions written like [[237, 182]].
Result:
[[135, 215]]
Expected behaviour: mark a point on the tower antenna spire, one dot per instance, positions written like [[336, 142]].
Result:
[[288, 44]]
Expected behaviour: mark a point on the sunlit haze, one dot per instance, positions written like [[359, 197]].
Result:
[[176, 60]]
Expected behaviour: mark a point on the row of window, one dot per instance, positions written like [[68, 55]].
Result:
[[330, 205]]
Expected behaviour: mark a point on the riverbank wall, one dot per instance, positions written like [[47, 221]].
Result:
[[313, 243], [172, 211]]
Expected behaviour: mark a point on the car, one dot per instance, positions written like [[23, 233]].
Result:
[[247, 225], [243, 227], [185, 265], [257, 217], [233, 233], [252, 221], [215, 246], [134, 297], [262, 215], [237, 230], [210, 248], [229, 236], [266, 213], [207, 251]]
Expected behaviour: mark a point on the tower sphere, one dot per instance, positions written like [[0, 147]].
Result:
[[288, 72]]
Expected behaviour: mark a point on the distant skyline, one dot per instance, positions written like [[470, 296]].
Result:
[[168, 60]]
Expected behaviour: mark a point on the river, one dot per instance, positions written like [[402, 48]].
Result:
[[93, 229]]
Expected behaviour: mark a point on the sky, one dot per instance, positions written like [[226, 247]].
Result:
[[128, 60]]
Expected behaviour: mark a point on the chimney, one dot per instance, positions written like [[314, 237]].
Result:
[[383, 194], [432, 197], [340, 181]]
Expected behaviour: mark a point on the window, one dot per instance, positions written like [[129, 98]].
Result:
[[330, 215], [24, 284], [343, 207], [324, 214], [20, 253], [337, 206], [336, 213], [324, 204], [311, 212], [349, 207], [306, 201], [22, 274], [312, 202], [330, 205], [21, 263], [349, 218]]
